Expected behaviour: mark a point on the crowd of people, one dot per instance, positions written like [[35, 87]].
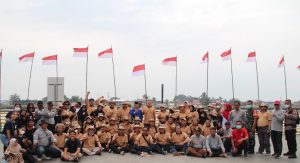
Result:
[[44, 131]]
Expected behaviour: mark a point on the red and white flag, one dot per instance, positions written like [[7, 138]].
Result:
[[281, 62], [298, 67], [27, 57], [80, 52], [204, 59], [251, 57], [50, 60], [138, 70], [170, 61], [108, 53], [226, 55]]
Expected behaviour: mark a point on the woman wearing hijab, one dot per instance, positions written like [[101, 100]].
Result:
[[226, 112], [14, 152]]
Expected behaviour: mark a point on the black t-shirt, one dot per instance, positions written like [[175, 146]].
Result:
[[29, 134], [9, 125], [72, 145]]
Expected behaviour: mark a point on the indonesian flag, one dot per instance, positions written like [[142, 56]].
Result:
[[108, 53], [50, 60], [204, 59], [170, 61], [80, 52], [138, 70], [226, 55], [27, 57], [298, 67], [251, 57], [281, 62]]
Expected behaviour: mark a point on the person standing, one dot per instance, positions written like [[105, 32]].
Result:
[[251, 117], [149, 113], [263, 128], [237, 114], [291, 119], [136, 112], [276, 129]]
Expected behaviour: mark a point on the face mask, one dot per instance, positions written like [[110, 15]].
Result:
[[238, 126], [76, 131], [22, 132], [249, 106], [17, 109], [286, 106], [91, 133]]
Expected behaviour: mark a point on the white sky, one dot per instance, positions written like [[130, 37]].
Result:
[[147, 32]]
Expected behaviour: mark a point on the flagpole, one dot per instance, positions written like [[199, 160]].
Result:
[[113, 63], [56, 89], [29, 82], [207, 74], [232, 78], [1, 76], [285, 80], [145, 84], [86, 70], [257, 81], [176, 78]]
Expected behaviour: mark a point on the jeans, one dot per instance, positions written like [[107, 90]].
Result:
[[48, 150], [4, 140], [179, 148], [290, 136], [276, 137]]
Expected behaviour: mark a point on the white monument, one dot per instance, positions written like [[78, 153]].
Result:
[[55, 89]]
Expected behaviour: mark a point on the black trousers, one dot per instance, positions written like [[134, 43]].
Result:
[[166, 147], [264, 139], [276, 137], [240, 148], [290, 136], [216, 152], [227, 145], [115, 149]]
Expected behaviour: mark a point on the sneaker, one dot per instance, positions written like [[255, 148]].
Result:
[[274, 154], [37, 158], [164, 152], [122, 153], [292, 156], [44, 157], [223, 155], [143, 154]]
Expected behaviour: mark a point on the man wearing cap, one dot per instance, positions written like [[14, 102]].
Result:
[[124, 111], [291, 119], [186, 107], [60, 136], [111, 111], [206, 128], [182, 112], [90, 140], [170, 125], [277, 128], [148, 112], [144, 143], [251, 119], [104, 137], [193, 125], [163, 140], [100, 121], [184, 127], [43, 140], [264, 128], [119, 142], [197, 145], [162, 114], [214, 144], [90, 104], [225, 134], [132, 137], [179, 140], [137, 121]]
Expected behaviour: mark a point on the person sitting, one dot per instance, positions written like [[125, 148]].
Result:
[[179, 140], [60, 136], [197, 144], [132, 137], [72, 148], [119, 142], [184, 127], [163, 139], [43, 140], [144, 143], [152, 128], [104, 137], [206, 127], [26, 144], [90, 140], [239, 140], [13, 153], [214, 144]]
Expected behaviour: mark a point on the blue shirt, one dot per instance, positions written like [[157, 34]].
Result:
[[139, 113]]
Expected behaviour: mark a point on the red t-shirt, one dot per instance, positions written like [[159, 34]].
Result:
[[239, 134]]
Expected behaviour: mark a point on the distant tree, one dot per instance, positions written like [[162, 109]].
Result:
[[14, 98], [75, 99], [180, 97], [66, 98], [45, 99], [204, 99]]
